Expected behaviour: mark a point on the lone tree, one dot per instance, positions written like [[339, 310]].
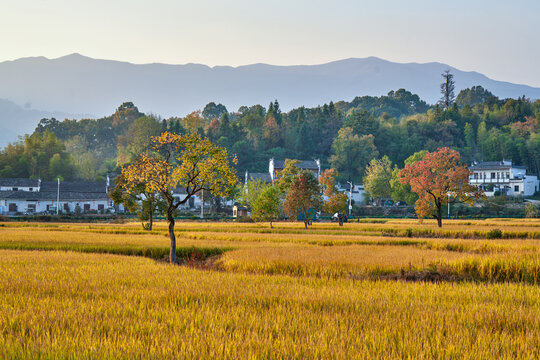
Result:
[[436, 178], [334, 201], [304, 195], [447, 90], [266, 206], [187, 161]]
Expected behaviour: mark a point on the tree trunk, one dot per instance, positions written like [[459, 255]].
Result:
[[150, 220], [439, 213], [172, 252], [271, 227], [305, 223]]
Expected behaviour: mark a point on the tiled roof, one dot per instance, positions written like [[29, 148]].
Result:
[[304, 164], [17, 182], [69, 190], [75, 186], [51, 196], [260, 176], [487, 165]]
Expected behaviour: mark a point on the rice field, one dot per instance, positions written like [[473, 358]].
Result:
[[375, 289]]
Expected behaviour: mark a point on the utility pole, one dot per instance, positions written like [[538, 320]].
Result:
[[350, 196], [202, 204], [58, 196], [448, 206]]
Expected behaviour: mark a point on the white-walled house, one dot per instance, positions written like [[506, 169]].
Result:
[[193, 202], [504, 177], [27, 196], [357, 193]]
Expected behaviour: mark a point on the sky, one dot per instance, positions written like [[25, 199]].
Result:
[[500, 39]]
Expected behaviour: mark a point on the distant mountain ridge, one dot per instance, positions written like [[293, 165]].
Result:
[[75, 84], [16, 121]]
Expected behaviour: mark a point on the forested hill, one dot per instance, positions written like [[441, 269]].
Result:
[[344, 135], [78, 84]]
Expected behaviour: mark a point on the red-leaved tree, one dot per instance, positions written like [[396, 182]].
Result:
[[303, 197], [436, 178]]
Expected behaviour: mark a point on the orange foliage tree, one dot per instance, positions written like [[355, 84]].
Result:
[[335, 201], [188, 161], [437, 177]]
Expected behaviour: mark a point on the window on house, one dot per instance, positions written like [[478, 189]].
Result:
[[12, 207], [15, 189], [100, 207], [86, 207], [493, 175], [30, 189], [516, 188]]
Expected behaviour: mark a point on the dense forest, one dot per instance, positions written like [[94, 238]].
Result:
[[343, 135]]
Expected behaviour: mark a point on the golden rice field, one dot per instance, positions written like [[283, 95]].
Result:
[[376, 289]]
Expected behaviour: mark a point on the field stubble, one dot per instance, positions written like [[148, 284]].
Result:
[[283, 293], [65, 304]]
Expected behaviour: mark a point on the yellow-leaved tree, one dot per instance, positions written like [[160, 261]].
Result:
[[181, 161]]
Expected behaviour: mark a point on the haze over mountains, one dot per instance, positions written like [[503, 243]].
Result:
[[76, 86]]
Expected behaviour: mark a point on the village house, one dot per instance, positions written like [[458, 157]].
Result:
[[28, 196], [193, 202], [504, 178], [264, 177], [276, 166], [357, 194]]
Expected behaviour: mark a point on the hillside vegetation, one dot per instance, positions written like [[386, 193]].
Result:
[[479, 125]]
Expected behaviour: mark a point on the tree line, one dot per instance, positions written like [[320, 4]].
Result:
[[343, 135]]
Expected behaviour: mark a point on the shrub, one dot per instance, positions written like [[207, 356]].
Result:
[[494, 234], [530, 212]]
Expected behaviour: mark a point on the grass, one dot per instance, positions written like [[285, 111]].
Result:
[[68, 291], [72, 305], [338, 261], [155, 247]]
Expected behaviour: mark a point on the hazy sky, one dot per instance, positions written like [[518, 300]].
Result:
[[500, 39]]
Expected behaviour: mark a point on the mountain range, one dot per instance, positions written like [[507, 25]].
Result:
[[76, 86]]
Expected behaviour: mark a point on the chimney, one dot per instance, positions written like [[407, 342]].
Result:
[[271, 168]]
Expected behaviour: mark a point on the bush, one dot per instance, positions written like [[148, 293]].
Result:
[[530, 211], [494, 234]]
